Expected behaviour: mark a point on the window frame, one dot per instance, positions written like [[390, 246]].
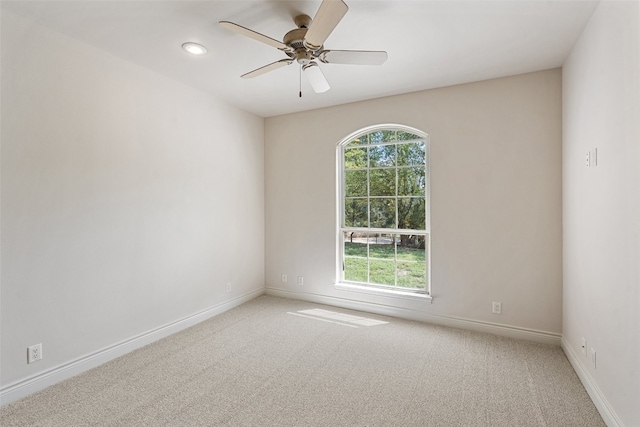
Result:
[[369, 287]]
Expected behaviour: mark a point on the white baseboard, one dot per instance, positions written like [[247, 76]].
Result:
[[23, 388], [606, 412], [409, 314], [40, 381]]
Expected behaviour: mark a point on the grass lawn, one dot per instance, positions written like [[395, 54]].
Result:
[[410, 265]]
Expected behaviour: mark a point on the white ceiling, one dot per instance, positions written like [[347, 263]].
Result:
[[430, 43]]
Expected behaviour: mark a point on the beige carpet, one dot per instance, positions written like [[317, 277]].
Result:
[[278, 362]]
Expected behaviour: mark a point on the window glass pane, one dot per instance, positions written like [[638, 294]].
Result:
[[356, 183], [355, 256], [382, 246], [355, 213], [411, 247], [355, 158], [382, 272], [355, 269], [355, 244], [361, 140], [411, 213], [382, 136], [385, 188], [405, 136], [383, 213], [411, 181], [412, 274], [411, 267], [411, 154], [382, 182], [384, 155]]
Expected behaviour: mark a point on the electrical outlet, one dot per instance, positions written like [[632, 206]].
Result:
[[496, 307], [583, 346], [300, 280], [34, 353], [593, 357], [284, 278], [229, 287]]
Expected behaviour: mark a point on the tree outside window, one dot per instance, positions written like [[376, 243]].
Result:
[[384, 214]]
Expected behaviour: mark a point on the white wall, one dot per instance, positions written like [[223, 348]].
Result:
[[128, 200], [496, 199], [601, 109]]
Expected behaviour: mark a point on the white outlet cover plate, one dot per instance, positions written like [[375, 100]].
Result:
[[496, 307], [34, 353]]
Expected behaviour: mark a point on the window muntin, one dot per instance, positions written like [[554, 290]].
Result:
[[384, 221]]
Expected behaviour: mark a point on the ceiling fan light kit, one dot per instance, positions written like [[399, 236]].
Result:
[[305, 45], [316, 77]]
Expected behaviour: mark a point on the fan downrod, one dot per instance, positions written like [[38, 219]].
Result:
[[302, 21]]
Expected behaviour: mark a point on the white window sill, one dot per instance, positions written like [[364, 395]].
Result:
[[393, 293]]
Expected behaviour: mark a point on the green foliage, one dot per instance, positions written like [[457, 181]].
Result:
[[411, 181], [383, 155], [355, 158], [382, 182], [382, 188], [383, 213], [405, 136], [356, 183], [411, 154], [385, 187], [382, 272], [411, 213], [384, 251], [355, 213], [361, 140], [385, 262], [355, 249], [411, 254], [411, 274], [355, 269], [381, 136]]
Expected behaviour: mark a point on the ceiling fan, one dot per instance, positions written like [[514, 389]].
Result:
[[305, 45]]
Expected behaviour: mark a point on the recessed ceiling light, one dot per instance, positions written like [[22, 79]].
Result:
[[194, 48]]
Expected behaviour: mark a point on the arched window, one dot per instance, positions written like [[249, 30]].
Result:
[[384, 209]]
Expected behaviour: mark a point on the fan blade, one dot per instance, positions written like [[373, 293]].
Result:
[[316, 78], [252, 34], [267, 68], [327, 18], [355, 57]]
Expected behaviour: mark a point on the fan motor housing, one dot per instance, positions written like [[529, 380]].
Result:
[[294, 39]]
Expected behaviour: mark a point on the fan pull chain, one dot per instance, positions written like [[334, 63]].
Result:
[[300, 82]]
